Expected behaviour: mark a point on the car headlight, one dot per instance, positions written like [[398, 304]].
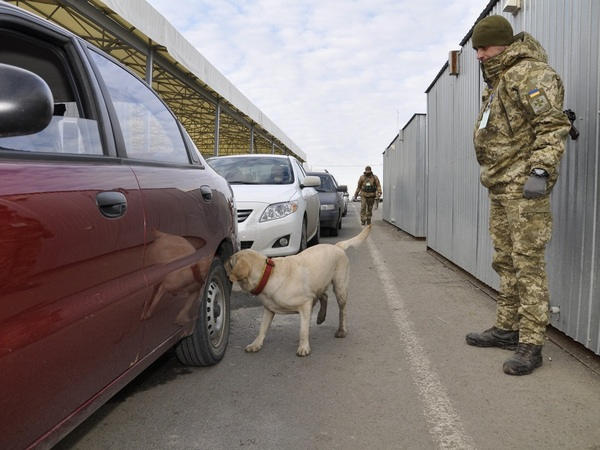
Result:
[[327, 207], [278, 211]]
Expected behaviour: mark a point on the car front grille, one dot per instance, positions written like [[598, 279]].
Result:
[[242, 214]]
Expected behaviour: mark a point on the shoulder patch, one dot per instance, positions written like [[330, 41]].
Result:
[[538, 101]]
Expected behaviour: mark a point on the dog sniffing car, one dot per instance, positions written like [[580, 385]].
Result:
[[294, 284]]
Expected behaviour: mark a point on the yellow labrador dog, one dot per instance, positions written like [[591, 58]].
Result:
[[294, 284]]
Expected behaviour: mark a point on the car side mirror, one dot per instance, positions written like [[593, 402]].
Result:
[[311, 181], [26, 102], [342, 188]]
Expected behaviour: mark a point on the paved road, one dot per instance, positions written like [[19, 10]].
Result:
[[403, 378]]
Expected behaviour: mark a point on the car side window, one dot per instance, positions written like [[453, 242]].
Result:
[[69, 131], [149, 129]]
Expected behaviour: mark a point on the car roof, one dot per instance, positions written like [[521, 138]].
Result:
[[253, 155], [8, 8], [321, 173]]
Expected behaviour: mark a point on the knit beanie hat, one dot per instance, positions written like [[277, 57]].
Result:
[[492, 30]]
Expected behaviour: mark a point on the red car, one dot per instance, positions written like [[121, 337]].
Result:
[[113, 233]]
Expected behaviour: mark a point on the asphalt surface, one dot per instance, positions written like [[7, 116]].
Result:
[[403, 378]]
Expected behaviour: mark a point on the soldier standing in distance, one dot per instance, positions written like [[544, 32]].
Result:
[[519, 138], [369, 189]]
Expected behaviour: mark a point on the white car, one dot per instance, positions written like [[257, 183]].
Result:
[[277, 205]]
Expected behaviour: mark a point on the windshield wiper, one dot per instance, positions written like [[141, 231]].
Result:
[[243, 182]]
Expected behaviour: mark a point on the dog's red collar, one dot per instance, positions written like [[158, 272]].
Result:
[[266, 274]]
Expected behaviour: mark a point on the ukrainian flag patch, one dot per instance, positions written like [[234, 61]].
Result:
[[538, 101]]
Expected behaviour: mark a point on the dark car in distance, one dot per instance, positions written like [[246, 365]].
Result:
[[113, 233], [331, 196]]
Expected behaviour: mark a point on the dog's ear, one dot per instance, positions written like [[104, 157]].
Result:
[[229, 264], [240, 270]]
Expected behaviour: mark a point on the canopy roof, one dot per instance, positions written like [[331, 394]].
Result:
[[137, 35]]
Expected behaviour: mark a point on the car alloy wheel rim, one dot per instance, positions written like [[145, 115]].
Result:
[[215, 313]]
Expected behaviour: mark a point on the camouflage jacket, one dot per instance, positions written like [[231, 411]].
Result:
[[373, 191], [521, 125]]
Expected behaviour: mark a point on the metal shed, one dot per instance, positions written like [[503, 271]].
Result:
[[218, 117], [457, 206], [404, 178]]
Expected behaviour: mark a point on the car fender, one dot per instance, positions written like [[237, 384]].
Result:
[[312, 207]]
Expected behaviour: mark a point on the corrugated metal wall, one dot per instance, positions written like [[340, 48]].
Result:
[[404, 178], [457, 206]]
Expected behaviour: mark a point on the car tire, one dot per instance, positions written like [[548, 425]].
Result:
[[303, 243], [208, 343], [333, 231], [315, 239]]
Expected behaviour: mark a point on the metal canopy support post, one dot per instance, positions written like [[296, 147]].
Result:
[[252, 139], [272, 147], [149, 63], [217, 127]]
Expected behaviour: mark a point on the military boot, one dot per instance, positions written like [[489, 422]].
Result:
[[527, 358], [369, 221], [494, 337]]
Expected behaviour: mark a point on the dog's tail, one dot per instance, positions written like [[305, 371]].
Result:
[[356, 240]]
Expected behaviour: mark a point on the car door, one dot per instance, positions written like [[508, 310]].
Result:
[[311, 197], [71, 249], [180, 204]]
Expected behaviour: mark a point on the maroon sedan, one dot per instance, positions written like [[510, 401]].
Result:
[[113, 233]]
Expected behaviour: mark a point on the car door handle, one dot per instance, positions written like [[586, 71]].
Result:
[[112, 204], [206, 192]]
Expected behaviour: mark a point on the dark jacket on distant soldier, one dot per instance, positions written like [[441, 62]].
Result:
[[525, 127]]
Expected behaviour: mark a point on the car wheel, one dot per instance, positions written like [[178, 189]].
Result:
[[333, 231], [340, 221], [207, 345], [315, 239], [303, 243]]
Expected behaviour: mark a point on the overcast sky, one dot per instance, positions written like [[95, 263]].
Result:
[[338, 77]]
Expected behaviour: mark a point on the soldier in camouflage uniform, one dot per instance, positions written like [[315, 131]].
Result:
[[519, 138], [369, 189]]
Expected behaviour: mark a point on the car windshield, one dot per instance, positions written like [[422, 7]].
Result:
[[253, 170], [327, 184]]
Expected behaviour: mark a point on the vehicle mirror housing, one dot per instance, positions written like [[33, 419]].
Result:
[[311, 181], [342, 188], [26, 102]]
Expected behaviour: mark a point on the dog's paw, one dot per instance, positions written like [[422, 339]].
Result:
[[253, 348], [303, 351], [340, 334]]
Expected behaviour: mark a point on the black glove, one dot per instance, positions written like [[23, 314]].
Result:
[[535, 186]]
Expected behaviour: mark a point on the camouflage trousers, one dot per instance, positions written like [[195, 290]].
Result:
[[366, 208], [520, 230]]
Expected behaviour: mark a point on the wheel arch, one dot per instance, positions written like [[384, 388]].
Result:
[[225, 249]]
